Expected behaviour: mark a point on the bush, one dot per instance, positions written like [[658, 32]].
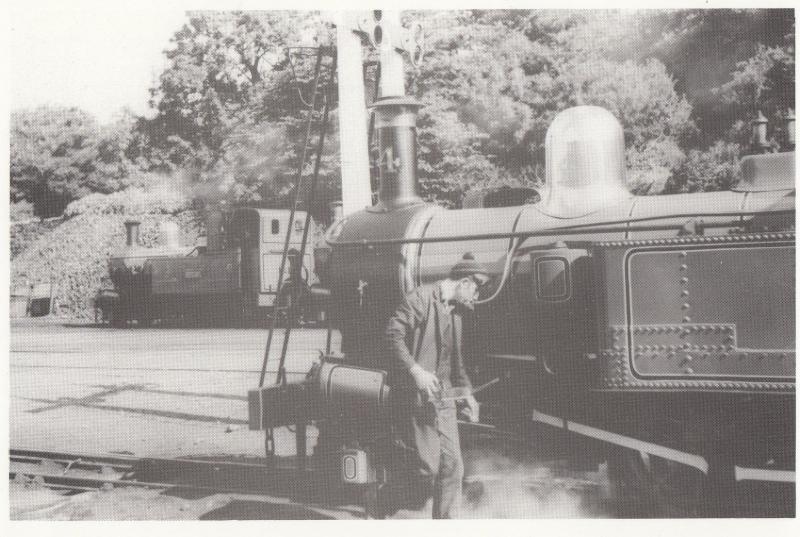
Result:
[[25, 233], [132, 201], [714, 169]]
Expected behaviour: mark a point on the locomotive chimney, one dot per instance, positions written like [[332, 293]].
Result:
[[132, 233], [395, 115], [396, 123]]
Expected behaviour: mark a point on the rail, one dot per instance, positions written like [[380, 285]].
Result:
[[608, 226], [82, 472]]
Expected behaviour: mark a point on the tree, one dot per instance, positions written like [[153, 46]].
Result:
[[701, 48], [763, 83], [716, 168], [60, 154], [220, 66], [231, 104], [494, 81]]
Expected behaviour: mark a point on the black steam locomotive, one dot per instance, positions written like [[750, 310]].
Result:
[[232, 278], [657, 332]]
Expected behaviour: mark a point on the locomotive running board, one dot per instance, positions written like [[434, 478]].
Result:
[[760, 474], [689, 459]]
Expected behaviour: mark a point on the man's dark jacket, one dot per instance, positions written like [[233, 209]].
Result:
[[423, 331]]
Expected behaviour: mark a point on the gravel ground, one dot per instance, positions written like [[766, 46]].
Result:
[[181, 392], [148, 392]]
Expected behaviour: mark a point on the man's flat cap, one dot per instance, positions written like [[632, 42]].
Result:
[[467, 267]]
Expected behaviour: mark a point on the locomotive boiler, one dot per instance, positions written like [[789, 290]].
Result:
[[232, 277]]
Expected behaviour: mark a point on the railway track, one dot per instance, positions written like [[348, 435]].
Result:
[[73, 472]]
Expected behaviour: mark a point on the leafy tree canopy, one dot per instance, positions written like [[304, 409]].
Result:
[[60, 154], [230, 105]]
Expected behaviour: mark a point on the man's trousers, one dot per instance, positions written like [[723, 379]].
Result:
[[432, 429]]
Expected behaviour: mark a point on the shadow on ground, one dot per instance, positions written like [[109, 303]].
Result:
[[253, 510]]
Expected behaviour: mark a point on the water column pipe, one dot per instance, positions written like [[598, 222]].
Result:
[[353, 149]]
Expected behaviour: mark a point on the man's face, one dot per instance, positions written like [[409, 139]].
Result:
[[466, 293]]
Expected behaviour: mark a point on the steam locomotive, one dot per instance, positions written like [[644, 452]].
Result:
[[231, 278], [656, 333], [662, 327]]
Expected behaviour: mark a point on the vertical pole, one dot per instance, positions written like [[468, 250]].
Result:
[[356, 189], [393, 81], [51, 306], [300, 444], [301, 477], [304, 241], [370, 498], [328, 337]]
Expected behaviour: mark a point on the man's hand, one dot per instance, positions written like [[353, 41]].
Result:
[[426, 381], [471, 409]]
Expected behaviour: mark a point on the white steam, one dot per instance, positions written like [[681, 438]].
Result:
[[500, 487]]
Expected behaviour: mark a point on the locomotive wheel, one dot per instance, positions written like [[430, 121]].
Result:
[[647, 486]]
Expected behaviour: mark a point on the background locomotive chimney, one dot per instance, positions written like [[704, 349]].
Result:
[[132, 233]]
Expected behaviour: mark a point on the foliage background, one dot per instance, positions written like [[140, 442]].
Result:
[[684, 84], [228, 115]]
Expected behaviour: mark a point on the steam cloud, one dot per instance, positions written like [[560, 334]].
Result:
[[500, 487]]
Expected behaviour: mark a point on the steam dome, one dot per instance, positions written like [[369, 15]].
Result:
[[585, 163]]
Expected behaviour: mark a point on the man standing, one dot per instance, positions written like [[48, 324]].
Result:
[[425, 350]]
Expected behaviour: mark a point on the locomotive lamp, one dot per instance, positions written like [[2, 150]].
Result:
[[760, 142]]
